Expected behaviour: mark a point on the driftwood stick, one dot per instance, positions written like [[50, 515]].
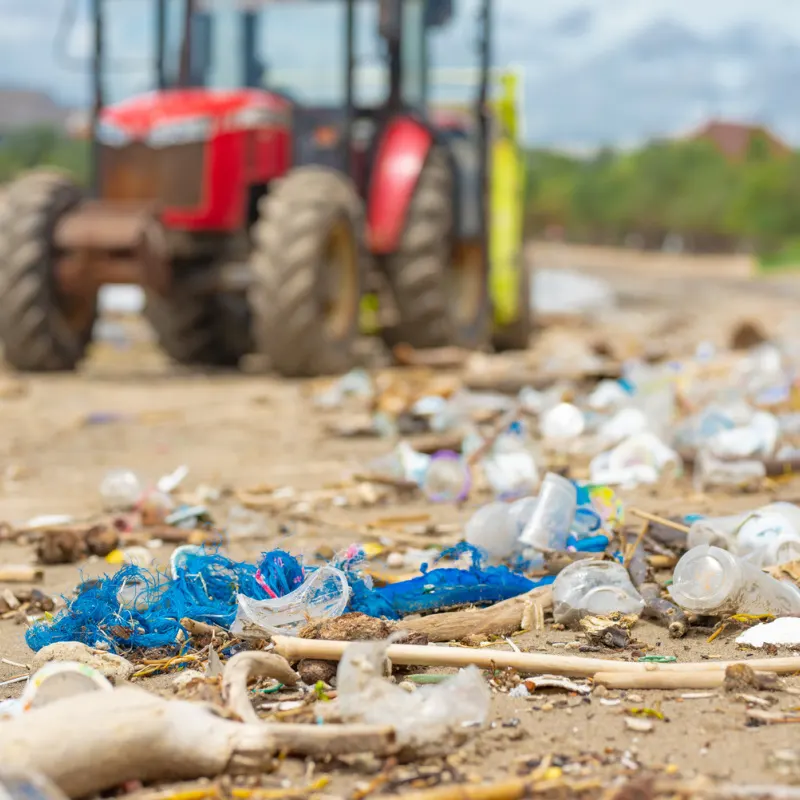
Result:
[[195, 628], [252, 664], [295, 649], [646, 515], [91, 743], [20, 573], [702, 679], [501, 619]]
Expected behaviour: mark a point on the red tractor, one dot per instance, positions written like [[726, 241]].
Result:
[[256, 216]]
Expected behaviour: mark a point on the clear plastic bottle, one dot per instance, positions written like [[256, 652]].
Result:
[[593, 587], [120, 490], [709, 580], [510, 468], [768, 536], [564, 421], [716, 531], [710, 472], [493, 529], [447, 479], [18, 784], [550, 523]]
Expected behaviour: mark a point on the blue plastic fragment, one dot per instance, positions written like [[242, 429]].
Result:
[[441, 588]]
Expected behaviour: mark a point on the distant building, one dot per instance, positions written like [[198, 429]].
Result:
[[23, 108], [734, 139]]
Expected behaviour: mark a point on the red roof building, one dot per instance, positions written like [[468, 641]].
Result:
[[734, 139]]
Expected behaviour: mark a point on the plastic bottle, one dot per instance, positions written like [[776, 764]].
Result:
[[593, 587], [19, 784], [709, 580], [120, 490], [710, 472], [768, 536], [550, 523], [493, 529], [564, 421], [510, 468], [447, 478]]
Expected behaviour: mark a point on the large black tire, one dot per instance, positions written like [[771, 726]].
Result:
[[308, 263], [440, 302], [201, 331], [41, 330], [517, 335]]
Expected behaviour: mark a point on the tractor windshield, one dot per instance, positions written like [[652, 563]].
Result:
[[296, 47]]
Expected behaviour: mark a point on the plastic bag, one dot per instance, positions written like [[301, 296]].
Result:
[[324, 594]]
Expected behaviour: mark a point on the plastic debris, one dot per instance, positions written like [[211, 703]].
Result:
[[783, 632], [120, 490], [593, 588], [709, 580], [430, 717]]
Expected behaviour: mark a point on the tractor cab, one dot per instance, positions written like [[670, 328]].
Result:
[[279, 166]]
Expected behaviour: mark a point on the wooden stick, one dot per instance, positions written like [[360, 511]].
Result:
[[632, 546], [701, 679], [501, 619], [20, 573], [637, 512], [294, 649]]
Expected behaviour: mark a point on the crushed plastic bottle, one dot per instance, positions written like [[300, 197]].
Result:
[[563, 422], [593, 587], [510, 468], [711, 473], [492, 528], [324, 594], [709, 580], [403, 463], [758, 439], [19, 784], [428, 717], [551, 520], [767, 536], [120, 490], [447, 479]]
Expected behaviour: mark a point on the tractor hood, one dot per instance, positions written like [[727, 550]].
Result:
[[206, 110]]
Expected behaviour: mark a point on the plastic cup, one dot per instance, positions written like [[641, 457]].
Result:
[[550, 523]]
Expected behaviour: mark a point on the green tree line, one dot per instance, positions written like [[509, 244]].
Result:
[[27, 148], [684, 188]]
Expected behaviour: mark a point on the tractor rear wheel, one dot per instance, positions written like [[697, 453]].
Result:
[[308, 261], [441, 292], [41, 329], [201, 330]]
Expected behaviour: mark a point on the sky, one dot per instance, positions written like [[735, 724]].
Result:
[[30, 58]]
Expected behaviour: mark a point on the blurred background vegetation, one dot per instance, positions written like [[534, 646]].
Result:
[[677, 194]]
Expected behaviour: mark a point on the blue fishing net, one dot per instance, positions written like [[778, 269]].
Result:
[[440, 588], [140, 608]]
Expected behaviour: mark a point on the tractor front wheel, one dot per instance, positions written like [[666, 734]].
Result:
[[440, 290], [200, 330], [41, 329], [308, 260]]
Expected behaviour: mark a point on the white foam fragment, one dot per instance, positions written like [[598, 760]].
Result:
[[783, 631]]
